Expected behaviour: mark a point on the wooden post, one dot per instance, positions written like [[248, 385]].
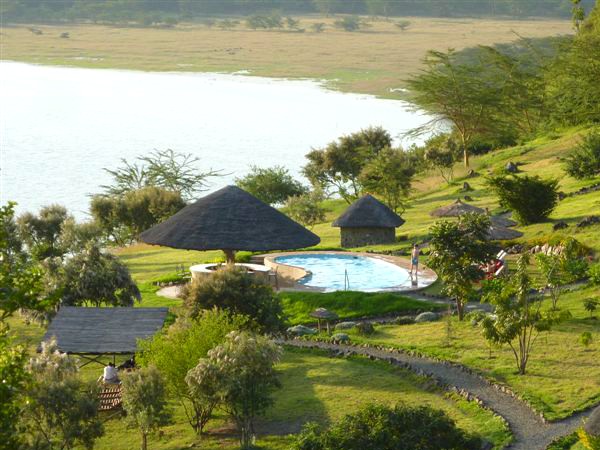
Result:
[[230, 256]]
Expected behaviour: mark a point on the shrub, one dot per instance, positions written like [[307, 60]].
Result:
[[584, 161], [306, 209], [234, 290], [591, 305], [349, 23], [532, 199], [586, 339], [273, 185], [365, 328], [388, 428], [594, 273]]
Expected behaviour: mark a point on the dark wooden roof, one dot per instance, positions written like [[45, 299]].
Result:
[[230, 219], [368, 212], [98, 331]]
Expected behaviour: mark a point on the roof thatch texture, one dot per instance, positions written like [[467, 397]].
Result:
[[592, 425], [230, 219], [103, 330], [497, 233], [322, 313], [368, 212], [502, 221], [458, 208]]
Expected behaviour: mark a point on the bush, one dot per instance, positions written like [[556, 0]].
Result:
[[584, 161], [532, 199], [365, 328], [350, 23], [273, 185], [234, 290], [306, 209], [594, 274], [377, 427]]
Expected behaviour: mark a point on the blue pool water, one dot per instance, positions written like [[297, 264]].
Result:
[[364, 273]]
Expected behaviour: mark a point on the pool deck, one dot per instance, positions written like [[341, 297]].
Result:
[[288, 276]]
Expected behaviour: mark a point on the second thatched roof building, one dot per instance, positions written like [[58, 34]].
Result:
[[367, 221]]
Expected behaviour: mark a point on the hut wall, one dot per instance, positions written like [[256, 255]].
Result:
[[358, 237]]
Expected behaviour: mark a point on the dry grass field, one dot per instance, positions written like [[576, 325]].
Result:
[[375, 60]]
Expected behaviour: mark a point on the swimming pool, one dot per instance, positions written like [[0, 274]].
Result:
[[336, 272]]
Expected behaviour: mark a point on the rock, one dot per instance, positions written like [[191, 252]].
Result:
[[560, 225], [471, 174], [468, 198], [301, 330], [339, 338], [588, 221], [466, 187], [404, 320], [345, 325], [592, 425], [426, 317], [561, 195], [511, 167]]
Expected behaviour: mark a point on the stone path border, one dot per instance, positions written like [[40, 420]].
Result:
[[530, 431]]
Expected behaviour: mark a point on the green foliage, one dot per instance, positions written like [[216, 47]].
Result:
[[145, 401], [123, 217], [306, 209], [377, 427], [264, 22], [349, 23], [241, 373], [178, 349], [336, 168], [97, 278], [389, 174], [42, 233], [586, 339], [584, 161], [234, 290], [273, 185], [441, 154], [588, 441], [518, 318], [554, 276], [531, 199], [61, 410], [165, 169], [594, 274], [365, 328], [591, 305], [458, 248], [14, 378]]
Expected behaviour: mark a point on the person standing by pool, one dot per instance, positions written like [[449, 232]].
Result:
[[414, 259]]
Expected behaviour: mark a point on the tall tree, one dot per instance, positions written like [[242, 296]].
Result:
[[272, 185]]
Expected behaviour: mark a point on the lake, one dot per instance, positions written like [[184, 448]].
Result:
[[60, 126]]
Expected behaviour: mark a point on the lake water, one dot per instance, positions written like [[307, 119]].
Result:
[[60, 126]]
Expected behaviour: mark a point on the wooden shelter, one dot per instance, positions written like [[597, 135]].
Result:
[[230, 219], [502, 221], [103, 331], [458, 208], [323, 314], [367, 221], [498, 233]]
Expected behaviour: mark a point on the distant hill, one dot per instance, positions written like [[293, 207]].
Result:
[[172, 11]]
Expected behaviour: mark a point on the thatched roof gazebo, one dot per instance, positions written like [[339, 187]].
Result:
[[498, 233], [323, 314], [502, 221], [367, 221], [230, 219], [458, 208]]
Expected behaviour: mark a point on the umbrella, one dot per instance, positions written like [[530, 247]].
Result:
[[498, 233], [230, 219], [323, 314], [458, 208]]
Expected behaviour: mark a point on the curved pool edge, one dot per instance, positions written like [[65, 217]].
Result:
[[290, 275]]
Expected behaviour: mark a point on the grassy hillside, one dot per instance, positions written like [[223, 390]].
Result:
[[374, 60]]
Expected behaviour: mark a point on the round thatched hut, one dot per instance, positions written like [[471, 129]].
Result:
[[230, 219], [367, 221], [458, 208]]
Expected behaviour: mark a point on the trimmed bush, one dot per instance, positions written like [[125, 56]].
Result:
[[531, 199]]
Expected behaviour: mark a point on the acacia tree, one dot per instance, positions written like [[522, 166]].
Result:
[[42, 233], [458, 249], [518, 318], [61, 410], [273, 185], [456, 93]]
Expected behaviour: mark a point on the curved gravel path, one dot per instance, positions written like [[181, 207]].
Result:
[[528, 429]]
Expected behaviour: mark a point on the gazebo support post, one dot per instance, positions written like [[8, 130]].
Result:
[[230, 256]]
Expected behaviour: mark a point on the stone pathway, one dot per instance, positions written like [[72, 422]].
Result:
[[530, 432]]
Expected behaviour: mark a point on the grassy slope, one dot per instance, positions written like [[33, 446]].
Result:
[[315, 388], [371, 61]]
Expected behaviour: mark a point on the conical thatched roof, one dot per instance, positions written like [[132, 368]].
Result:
[[230, 219], [458, 208], [502, 221], [592, 425], [497, 233], [368, 212], [322, 313]]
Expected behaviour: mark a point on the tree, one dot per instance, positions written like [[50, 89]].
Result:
[[456, 93], [337, 167], [389, 175], [292, 23], [584, 161], [61, 411], [145, 401], [348, 23], [306, 208], [234, 290], [378, 427], [96, 278], [458, 249], [531, 199], [242, 371], [178, 350], [42, 233], [443, 160], [518, 319], [273, 185], [553, 275], [591, 305], [166, 169]]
